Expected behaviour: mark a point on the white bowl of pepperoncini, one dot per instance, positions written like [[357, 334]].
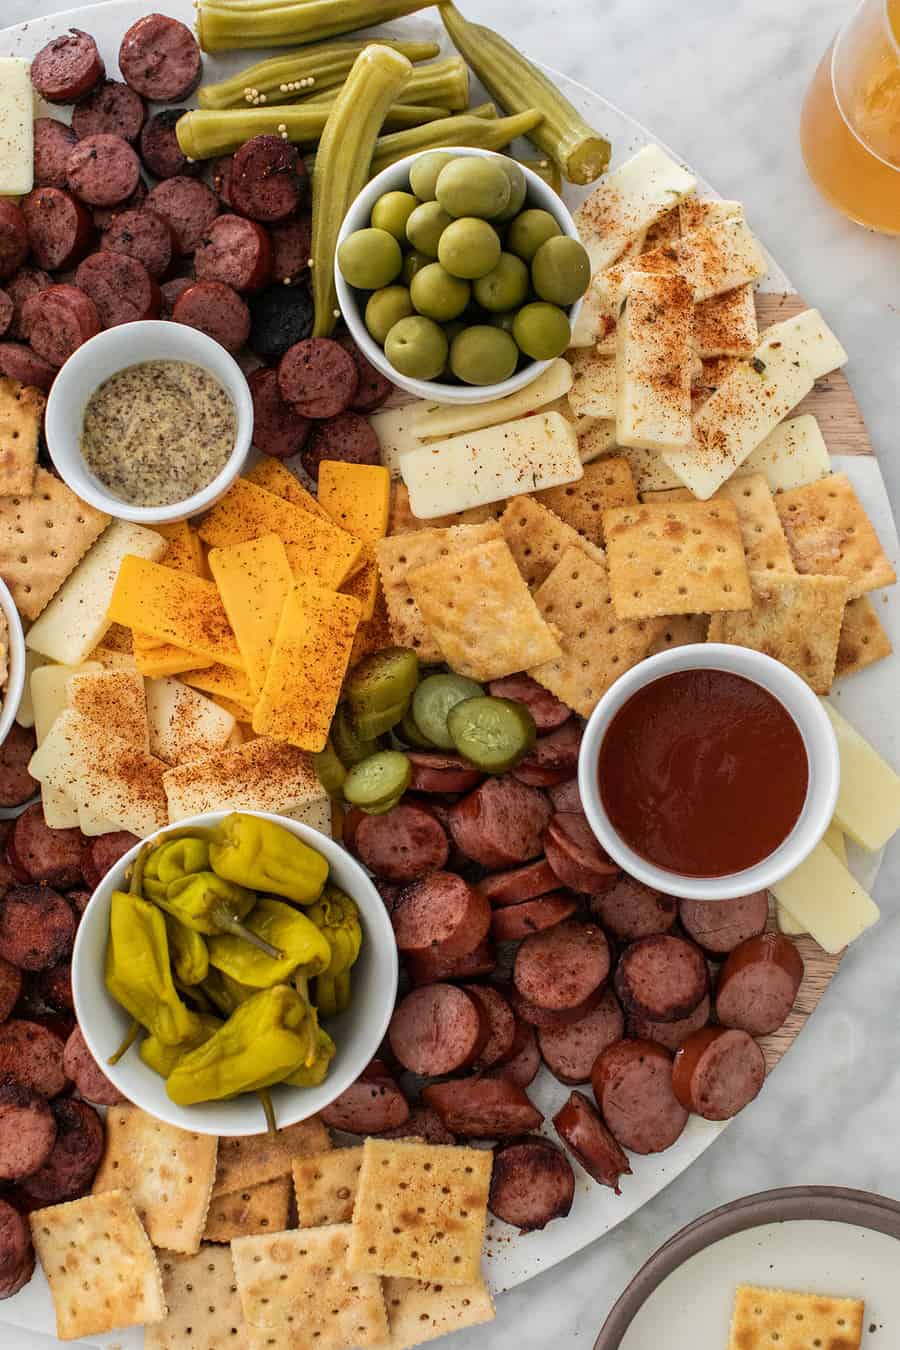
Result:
[[150, 422], [709, 772]]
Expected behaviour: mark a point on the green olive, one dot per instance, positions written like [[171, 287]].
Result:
[[483, 355], [542, 331], [561, 270], [424, 173], [425, 227], [437, 295], [505, 287], [528, 231], [518, 184], [369, 259], [473, 186], [385, 308], [469, 248], [417, 347], [392, 211], [413, 263]]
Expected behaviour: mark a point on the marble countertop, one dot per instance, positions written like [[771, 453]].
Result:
[[722, 84]]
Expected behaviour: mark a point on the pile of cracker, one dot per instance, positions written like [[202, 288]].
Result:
[[260, 1243], [578, 583]]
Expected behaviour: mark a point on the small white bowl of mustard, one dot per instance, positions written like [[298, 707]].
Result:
[[150, 422]]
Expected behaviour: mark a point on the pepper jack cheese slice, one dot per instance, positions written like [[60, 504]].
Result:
[[490, 465], [16, 128], [629, 200], [792, 455], [254, 581], [868, 804], [183, 723], [49, 687], [826, 900], [262, 775], [654, 361], [184, 610]]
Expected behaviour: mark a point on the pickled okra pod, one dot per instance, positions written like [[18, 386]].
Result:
[[449, 130], [548, 169], [440, 83], [516, 83], [308, 71], [228, 24], [206, 132], [470, 129]]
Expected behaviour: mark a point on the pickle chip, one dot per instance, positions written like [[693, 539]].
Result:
[[494, 734], [380, 779], [433, 700]]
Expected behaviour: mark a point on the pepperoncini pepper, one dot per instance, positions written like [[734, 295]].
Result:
[[209, 905], [337, 918], [190, 959], [311, 1075], [303, 947], [138, 971], [171, 861], [264, 856], [265, 1040], [163, 1058], [224, 992]]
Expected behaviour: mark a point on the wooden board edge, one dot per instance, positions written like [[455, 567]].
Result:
[[819, 969]]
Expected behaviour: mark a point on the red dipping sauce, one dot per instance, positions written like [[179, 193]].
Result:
[[703, 773]]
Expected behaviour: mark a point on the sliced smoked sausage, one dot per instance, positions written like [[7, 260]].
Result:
[[566, 797], [42, 854], [67, 68], [16, 1251], [404, 844], [268, 180], [562, 967], [20, 363], [501, 1024], [441, 913], [27, 281], [10, 987], [53, 143], [537, 1016], [14, 238], [37, 927], [16, 783], [632, 1083], [280, 316], [483, 1108], [216, 310], [105, 215], [121, 288], [291, 240], [590, 1142], [629, 910], [103, 852], [54, 986], [522, 883], [671, 1034], [553, 758], [103, 170], [68, 1172], [236, 251], [83, 1070], [663, 978], [144, 235], [438, 1029], [373, 388], [515, 922], [162, 155], [522, 1063], [532, 1183], [348, 437], [317, 377], [500, 823], [570, 1051], [60, 320], [160, 59], [33, 1055], [7, 310], [188, 205], [423, 1123], [277, 429], [27, 1130], [546, 709], [759, 983], [111, 109], [441, 773], [370, 1105], [718, 926], [576, 855], [717, 1072], [426, 967]]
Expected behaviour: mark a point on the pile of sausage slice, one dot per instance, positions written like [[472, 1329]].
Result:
[[522, 943]]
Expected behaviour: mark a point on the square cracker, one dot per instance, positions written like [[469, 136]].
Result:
[[167, 1173], [325, 1186], [420, 1311], [204, 1307], [398, 555], [537, 538], [301, 1283], [99, 1264], [402, 520], [795, 1321], [42, 539], [765, 546], [21, 410], [796, 620], [247, 1160], [675, 558], [480, 613], [258, 1209], [680, 630], [420, 1211], [596, 646], [863, 639], [829, 532], [606, 483]]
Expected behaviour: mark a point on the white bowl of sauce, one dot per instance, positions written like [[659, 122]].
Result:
[[150, 421], [709, 772]]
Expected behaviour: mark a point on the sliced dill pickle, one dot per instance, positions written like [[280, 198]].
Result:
[[408, 731], [330, 771], [433, 700], [494, 734], [349, 746], [382, 680], [377, 780], [376, 722]]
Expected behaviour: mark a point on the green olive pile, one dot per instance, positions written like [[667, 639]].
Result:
[[465, 279]]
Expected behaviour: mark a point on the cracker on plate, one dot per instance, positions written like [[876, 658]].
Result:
[[796, 620], [679, 630], [606, 483], [765, 546], [537, 537], [21, 410], [167, 1173], [325, 1186], [263, 1208], [863, 639], [402, 520], [596, 646], [420, 1311], [247, 1160], [763, 1317], [99, 1264], [420, 1210], [480, 613], [829, 533], [204, 1307], [675, 558], [300, 1285]]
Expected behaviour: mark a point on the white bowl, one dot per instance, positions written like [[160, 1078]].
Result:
[[396, 178], [110, 351], [818, 739], [11, 696], [357, 1033]]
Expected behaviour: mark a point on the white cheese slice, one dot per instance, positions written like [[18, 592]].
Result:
[[594, 323], [433, 421], [696, 211], [184, 724], [593, 391], [75, 620], [808, 339], [720, 256], [316, 814], [16, 127], [486, 466], [834, 838], [827, 900], [649, 470], [92, 823], [868, 804], [596, 437], [654, 362], [49, 691], [259, 775], [628, 201], [792, 455], [25, 710], [786, 922], [394, 428]]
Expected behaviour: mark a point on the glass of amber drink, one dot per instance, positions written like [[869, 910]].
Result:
[[850, 124]]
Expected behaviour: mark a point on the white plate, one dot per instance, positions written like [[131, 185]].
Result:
[[868, 699]]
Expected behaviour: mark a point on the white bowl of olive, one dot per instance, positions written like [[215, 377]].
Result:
[[460, 274]]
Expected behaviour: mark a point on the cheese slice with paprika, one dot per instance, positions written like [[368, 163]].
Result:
[[358, 498], [174, 607], [254, 581]]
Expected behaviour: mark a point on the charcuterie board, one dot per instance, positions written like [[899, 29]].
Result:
[[869, 701]]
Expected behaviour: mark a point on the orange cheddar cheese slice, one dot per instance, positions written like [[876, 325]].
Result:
[[254, 581], [174, 607]]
